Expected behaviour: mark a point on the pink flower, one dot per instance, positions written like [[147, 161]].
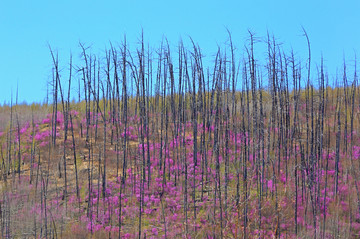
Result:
[[146, 199], [23, 130], [97, 227], [38, 137], [127, 235], [154, 231], [46, 121], [148, 211], [42, 144], [283, 178], [270, 185], [331, 172], [356, 226]]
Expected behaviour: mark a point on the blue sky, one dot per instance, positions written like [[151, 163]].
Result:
[[27, 27]]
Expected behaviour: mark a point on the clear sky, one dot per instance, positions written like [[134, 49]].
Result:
[[27, 27]]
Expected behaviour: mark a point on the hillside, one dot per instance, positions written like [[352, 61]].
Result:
[[154, 149]]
